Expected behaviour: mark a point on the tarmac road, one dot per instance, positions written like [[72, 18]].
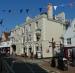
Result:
[[19, 66]]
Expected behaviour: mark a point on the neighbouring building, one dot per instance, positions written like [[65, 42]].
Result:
[[69, 39], [35, 36], [5, 42], [16, 38], [5, 36]]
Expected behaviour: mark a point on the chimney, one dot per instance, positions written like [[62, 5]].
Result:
[[50, 11]]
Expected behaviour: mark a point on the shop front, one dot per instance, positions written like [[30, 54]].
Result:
[[69, 52]]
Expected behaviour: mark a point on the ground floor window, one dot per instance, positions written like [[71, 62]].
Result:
[[25, 49], [30, 49], [37, 48]]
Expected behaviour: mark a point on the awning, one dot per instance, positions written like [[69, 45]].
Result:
[[69, 47], [5, 44]]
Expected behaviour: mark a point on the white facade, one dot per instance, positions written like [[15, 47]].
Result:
[[6, 44], [17, 39], [69, 39], [69, 36], [37, 33]]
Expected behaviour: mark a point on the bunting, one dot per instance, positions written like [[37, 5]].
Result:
[[9, 10], [27, 10], [21, 10], [55, 7], [40, 9], [1, 21], [71, 4]]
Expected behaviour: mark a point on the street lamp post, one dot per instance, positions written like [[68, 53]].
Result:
[[53, 63], [53, 46]]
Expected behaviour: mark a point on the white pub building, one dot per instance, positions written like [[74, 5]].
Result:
[[35, 36]]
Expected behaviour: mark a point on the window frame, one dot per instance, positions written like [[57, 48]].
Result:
[[69, 41]]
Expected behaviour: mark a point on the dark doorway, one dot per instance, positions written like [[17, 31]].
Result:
[[25, 51], [30, 49], [14, 47]]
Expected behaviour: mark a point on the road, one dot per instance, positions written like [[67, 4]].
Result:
[[23, 65], [19, 66]]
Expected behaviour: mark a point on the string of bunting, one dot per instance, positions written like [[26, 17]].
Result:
[[71, 4]]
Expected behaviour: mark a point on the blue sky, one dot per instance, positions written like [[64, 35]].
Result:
[[10, 20]]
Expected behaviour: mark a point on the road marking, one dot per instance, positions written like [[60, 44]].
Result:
[[29, 67]]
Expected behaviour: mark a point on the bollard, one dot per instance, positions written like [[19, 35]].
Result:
[[53, 62]]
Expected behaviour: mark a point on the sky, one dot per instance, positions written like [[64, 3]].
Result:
[[15, 17]]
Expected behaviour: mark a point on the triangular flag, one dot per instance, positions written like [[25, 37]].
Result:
[[40, 9], [27, 10], [55, 7], [1, 21], [9, 11], [21, 10]]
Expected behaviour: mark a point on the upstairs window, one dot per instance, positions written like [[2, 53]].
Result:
[[68, 40], [29, 27], [29, 37], [74, 25], [37, 24]]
